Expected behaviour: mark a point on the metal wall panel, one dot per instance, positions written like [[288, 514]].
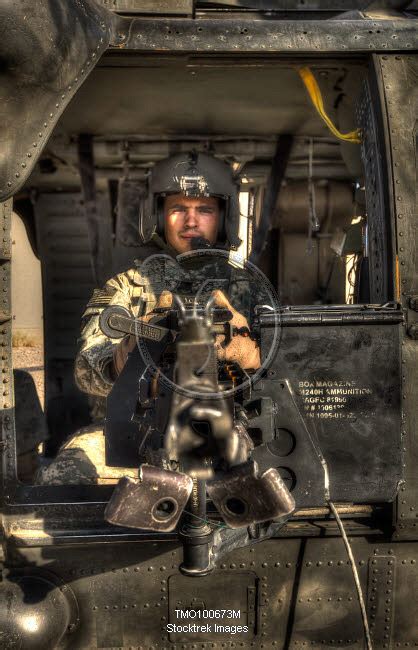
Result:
[[399, 77], [7, 423], [304, 594], [236, 35]]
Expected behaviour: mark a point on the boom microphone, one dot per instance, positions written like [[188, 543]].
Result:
[[199, 243]]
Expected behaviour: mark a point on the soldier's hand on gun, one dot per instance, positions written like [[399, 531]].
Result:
[[128, 343], [241, 349]]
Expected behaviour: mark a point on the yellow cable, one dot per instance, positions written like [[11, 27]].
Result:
[[316, 97]]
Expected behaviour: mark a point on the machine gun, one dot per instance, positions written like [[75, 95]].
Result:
[[205, 448]]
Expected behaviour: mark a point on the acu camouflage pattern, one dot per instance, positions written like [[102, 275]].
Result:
[[139, 288]]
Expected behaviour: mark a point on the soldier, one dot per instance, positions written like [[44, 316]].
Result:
[[192, 199]]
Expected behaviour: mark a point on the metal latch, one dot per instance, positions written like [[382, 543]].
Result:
[[413, 303], [413, 331], [413, 328]]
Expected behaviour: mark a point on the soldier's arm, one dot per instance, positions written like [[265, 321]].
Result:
[[93, 364]]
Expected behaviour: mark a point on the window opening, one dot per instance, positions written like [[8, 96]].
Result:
[[27, 350], [317, 236]]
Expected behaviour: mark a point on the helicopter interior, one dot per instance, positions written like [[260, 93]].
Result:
[[303, 191]]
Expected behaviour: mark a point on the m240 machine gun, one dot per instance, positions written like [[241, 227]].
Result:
[[205, 449]]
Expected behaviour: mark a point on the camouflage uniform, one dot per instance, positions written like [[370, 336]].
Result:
[[81, 459], [138, 290], [128, 290]]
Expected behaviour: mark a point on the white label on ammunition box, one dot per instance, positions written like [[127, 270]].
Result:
[[331, 399]]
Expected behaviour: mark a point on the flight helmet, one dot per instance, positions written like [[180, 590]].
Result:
[[192, 174]]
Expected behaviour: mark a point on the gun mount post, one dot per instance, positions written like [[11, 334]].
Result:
[[196, 535]]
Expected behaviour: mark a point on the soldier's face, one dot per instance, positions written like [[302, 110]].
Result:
[[186, 217]]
